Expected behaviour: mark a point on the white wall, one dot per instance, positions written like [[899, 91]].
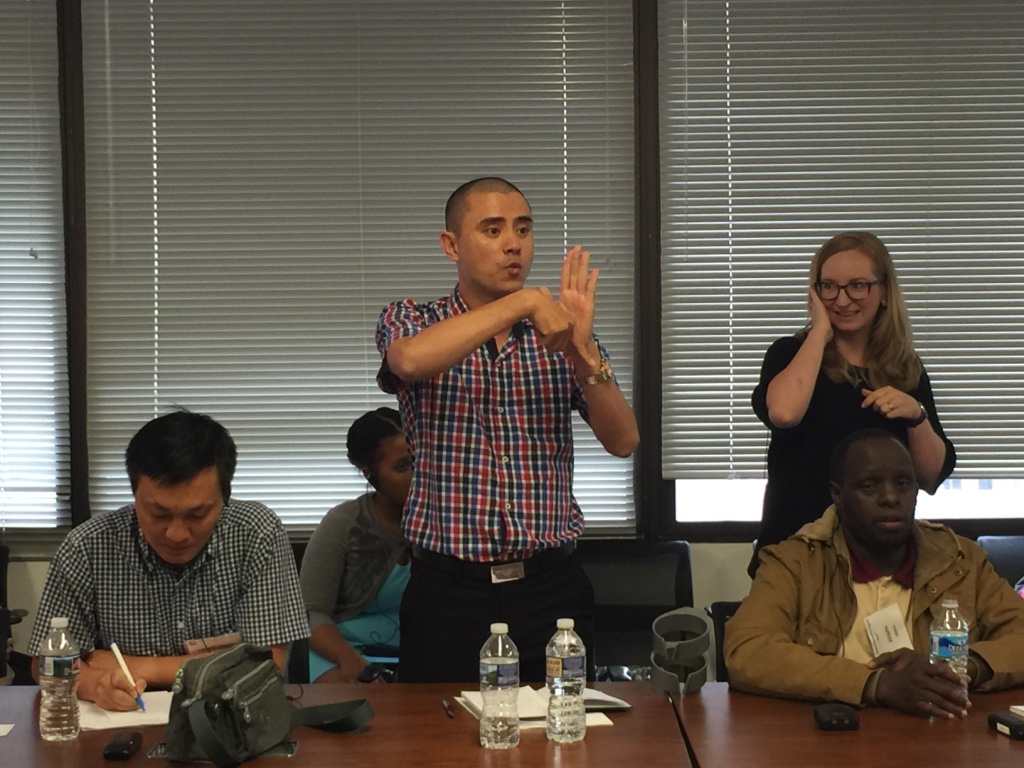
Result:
[[719, 573], [25, 582]]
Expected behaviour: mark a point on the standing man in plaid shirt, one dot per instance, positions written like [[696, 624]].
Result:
[[487, 379], [182, 571]]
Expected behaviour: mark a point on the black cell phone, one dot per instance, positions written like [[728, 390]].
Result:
[[376, 671], [123, 746], [836, 716], [1008, 725], [370, 673]]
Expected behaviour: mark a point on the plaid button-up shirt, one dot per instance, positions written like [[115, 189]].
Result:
[[491, 439], [111, 586]]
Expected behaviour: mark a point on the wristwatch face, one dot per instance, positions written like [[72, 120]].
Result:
[[603, 373]]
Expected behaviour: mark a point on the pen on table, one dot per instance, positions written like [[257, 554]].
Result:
[[127, 674], [447, 707]]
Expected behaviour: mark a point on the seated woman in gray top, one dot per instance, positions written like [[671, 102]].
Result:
[[356, 564]]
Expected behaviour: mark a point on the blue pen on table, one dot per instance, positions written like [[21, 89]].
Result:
[[127, 674]]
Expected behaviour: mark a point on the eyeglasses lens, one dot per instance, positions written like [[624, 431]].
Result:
[[857, 290]]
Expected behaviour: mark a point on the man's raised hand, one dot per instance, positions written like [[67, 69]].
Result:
[[576, 297]]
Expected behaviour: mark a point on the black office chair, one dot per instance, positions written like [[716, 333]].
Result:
[[8, 616], [5, 613], [720, 612], [1006, 553], [634, 583], [297, 664]]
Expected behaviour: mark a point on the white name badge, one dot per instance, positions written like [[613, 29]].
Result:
[[887, 630]]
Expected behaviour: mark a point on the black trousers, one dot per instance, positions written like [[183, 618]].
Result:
[[445, 620]]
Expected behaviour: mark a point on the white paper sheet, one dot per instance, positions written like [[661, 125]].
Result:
[[593, 700], [158, 710], [533, 708]]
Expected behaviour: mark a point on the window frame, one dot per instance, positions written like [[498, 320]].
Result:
[[620, 349], [738, 531], [655, 496]]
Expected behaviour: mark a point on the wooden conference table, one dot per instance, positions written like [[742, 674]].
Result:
[[726, 729], [409, 729]]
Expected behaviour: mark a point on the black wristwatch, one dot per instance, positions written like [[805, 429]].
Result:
[[920, 418]]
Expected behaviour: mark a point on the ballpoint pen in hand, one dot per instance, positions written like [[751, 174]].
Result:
[[124, 668]]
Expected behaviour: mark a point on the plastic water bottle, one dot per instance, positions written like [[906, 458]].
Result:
[[949, 639], [499, 688], [58, 681], [567, 677]]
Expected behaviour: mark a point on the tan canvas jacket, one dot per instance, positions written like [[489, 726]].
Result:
[[785, 637]]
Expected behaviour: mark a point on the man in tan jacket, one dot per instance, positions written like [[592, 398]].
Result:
[[801, 631]]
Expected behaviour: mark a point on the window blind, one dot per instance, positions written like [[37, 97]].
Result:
[[264, 177], [34, 434], [785, 123]]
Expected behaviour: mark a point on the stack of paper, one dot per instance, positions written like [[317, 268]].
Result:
[[1018, 710], [533, 706], [593, 700]]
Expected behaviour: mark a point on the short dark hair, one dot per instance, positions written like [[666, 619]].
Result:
[[179, 445], [367, 434], [837, 464], [455, 208]]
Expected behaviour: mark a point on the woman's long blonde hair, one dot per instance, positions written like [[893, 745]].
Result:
[[890, 358]]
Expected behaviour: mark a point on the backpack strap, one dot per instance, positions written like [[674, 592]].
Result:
[[206, 737], [341, 717]]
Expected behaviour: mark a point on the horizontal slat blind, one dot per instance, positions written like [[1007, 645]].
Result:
[[785, 123], [34, 435], [264, 177]]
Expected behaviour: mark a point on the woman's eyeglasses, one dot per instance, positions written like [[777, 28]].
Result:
[[857, 290]]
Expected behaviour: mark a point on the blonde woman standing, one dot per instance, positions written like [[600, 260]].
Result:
[[853, 367]]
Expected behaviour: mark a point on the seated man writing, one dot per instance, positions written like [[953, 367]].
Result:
[[801, 631], [183, 569]]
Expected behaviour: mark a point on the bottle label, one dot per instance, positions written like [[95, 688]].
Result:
[[500, 675], [949, 646], [64, 667], [567, 667], [554, 666]]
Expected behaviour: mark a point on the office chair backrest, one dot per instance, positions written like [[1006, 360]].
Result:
[[5, 633], [5, 613], [1006, 553], [720, 612], [634, 583], [5, 559], [297, 663]]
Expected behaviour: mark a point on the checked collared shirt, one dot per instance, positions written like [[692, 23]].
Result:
[[491, 439], [111, 586]]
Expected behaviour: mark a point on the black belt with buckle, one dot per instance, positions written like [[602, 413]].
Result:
[[495, 572]]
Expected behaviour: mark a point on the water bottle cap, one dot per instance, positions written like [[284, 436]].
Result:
[[58, 623], [565, 623], [949, 602], [499, 628]]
